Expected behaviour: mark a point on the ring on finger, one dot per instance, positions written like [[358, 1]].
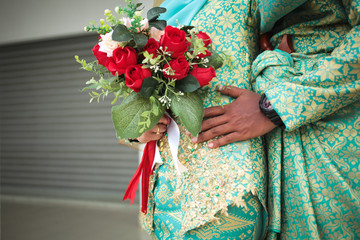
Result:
[[158, 130]]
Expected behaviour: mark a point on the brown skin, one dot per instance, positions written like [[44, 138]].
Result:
[[156, 132], [237, 121]]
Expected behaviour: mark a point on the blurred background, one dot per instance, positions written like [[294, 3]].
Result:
[[63, 173]]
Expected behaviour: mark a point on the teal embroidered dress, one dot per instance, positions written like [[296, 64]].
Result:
[[222, 195]]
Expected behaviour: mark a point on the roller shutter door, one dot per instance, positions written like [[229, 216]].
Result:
[[53, 142]]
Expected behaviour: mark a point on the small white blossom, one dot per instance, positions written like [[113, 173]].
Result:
[[107, 11], [138, 13], [165, 100], [117, 9]]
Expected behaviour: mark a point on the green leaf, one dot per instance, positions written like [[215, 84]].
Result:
[[187, 84], [138, 5], [215, 59], [148, 87], [121, 34], [127, 116], [154, 13], [140, 40], [187, 28], [190, 109], [159, 24]]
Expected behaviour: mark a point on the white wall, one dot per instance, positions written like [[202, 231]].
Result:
[[26, 20]]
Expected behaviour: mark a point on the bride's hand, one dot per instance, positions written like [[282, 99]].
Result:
[[156, 132]]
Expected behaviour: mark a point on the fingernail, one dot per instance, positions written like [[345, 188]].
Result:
[[211, 145], [194, 139], [187, 132]]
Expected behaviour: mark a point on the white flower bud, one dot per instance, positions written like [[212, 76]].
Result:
[[107, 11], [117, 9], [138, 13]]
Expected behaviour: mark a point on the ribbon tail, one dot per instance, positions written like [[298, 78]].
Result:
[[148, 159], [131, 189]]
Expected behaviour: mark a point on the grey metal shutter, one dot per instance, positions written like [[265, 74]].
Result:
[[53, 142]]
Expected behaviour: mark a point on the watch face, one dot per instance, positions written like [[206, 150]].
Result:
[[267, 104]]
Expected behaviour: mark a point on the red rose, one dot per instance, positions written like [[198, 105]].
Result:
[[135, 75], [122, 58], [151, 47], [179, 68], [203, 75], [206, 39], [207, 54], [100, 56], [174, 40]]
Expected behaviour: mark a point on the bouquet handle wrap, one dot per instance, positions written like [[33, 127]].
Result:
[[145, 168]]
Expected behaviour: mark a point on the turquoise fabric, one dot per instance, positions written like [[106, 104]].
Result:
[[238, 223], [222, 195], [272, 10], [314, 167], [180, 11]]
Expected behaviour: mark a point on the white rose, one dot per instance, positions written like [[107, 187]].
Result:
[[156, 33], [107, 45]]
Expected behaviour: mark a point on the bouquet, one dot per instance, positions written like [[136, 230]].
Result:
[[152, 68]]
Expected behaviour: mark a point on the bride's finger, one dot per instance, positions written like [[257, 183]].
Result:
[[159, 128], [164, 120]]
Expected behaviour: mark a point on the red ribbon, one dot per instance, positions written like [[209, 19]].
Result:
[[145, 168]]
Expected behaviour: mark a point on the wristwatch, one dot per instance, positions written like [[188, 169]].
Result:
[[267, 109]]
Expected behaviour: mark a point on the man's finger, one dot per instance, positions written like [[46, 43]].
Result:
[[229, 138], [214, 111], [211, 133], [213, 122], [231, 91]]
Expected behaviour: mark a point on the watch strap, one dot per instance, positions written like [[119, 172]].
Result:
[[267, 109]]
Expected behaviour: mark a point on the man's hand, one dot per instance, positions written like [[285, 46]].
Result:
[[237, 121]]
